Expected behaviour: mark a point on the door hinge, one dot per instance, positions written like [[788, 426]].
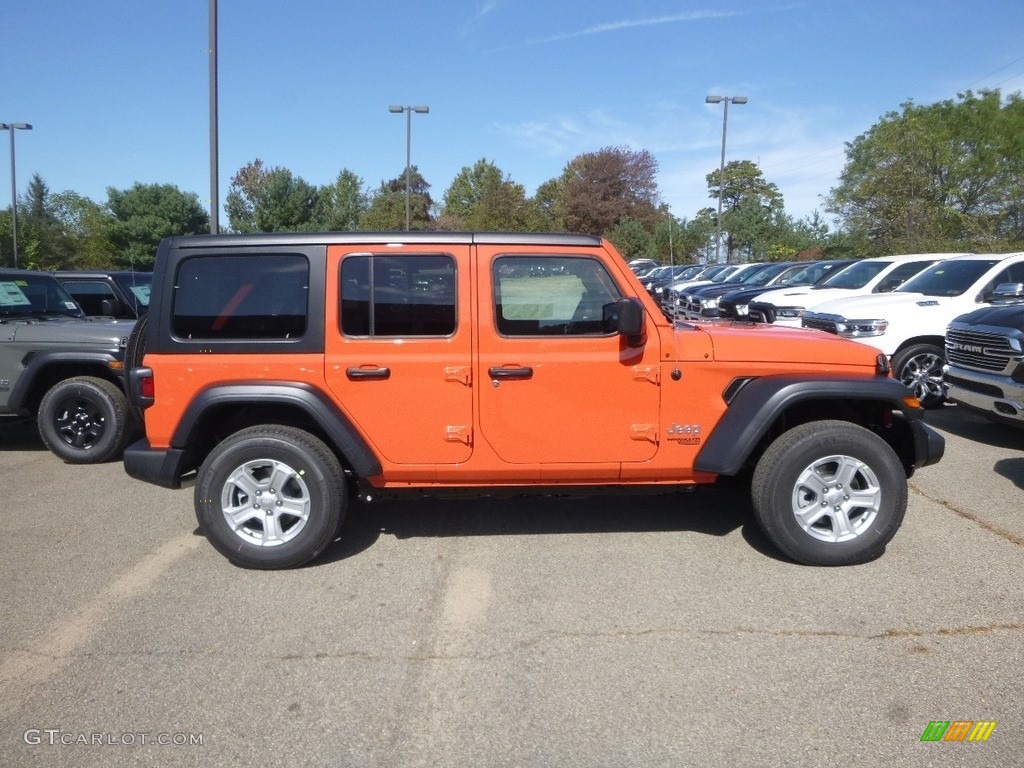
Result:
[[458, 373], [459, 434], [647, 432], [651, 373]]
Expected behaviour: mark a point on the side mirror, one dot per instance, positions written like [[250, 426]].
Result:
[[626, 317], [1007, 292]]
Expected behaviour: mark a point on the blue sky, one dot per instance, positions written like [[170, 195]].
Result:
[[117, 90]]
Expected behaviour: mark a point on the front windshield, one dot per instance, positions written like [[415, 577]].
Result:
[[743, 273], [689, 272], [35, 296], [720, 277], [136, 285], [948, 278], [855, 276], [769, 273]]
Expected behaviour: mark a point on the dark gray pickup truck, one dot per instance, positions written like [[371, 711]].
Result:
[[985, 354], [62, 368]]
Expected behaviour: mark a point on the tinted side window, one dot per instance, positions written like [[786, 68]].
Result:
[[89, 294], [406, 295], [241, 297], [541, 296]]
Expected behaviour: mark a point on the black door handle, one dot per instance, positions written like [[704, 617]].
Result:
[[368, 373], [510, 373]]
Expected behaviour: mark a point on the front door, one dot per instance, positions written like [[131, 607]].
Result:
[[556, 385]]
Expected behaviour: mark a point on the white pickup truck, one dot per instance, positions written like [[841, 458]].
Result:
[[879, 274], [909, 324]]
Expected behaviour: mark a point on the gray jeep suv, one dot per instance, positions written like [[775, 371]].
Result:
[[62, 368]]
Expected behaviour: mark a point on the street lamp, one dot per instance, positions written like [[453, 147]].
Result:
[[397, 108], [721, 169], [14, 185]]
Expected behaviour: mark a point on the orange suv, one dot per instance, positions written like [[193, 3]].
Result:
[[293, 372]]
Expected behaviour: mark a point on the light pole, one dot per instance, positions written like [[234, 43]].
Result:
[[214, 144], [397, 108], [12, 127], [721, 168]]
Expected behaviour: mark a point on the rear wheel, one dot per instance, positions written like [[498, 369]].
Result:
[[270, 497], [830, 493], [84, 420], [920, 368]]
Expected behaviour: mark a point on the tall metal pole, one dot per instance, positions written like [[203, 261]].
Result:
[[721, 185], [214, 159], [397, 108], [721, 167], [408, 165], [12, 127]]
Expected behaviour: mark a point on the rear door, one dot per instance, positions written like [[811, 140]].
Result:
[[398, 350]]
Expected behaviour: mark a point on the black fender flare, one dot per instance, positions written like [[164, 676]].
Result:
[[761, 401], [35, 364], [305, 397]]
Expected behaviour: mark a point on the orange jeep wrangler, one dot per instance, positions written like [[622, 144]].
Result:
[[292, 372]]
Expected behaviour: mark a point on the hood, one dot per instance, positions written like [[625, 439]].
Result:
[[102, 332], [808, 297], [878, 305], [996, 316], [762, 343]]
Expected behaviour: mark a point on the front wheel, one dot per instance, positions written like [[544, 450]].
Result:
[[920, 368], [84, 420], [270, 497], [830, 493]]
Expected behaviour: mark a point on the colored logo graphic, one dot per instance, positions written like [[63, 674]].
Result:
[[958, 730]]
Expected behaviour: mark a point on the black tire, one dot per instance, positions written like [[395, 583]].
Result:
[[920, 367], [136, 347], [311, 484], [802, 500], [85, 420]]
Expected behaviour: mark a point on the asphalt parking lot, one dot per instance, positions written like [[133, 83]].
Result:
[[613, 631]]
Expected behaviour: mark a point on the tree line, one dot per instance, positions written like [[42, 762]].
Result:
[[940, 177]]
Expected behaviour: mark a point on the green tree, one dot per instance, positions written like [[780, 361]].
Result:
[[631, 239], [546, 209], [343, 203], [483, 198], [274, 200], [145, 214], [387, 206], [602, 188], [751, 207], [944, 176], [88, 224]]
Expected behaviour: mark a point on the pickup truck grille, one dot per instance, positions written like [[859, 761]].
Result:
[[820, 323], [980, 350]]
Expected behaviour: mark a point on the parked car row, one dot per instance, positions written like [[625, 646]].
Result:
[[901, 305]]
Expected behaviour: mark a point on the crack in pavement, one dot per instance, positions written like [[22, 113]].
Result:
[[887, 634], [1010, 536]]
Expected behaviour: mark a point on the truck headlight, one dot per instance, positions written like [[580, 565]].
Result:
[[790, 312], [709, 303], [741, 310], [855, 329]]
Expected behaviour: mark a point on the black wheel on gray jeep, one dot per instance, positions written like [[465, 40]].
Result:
[[920, 368], [830, 493], [84, 420], [270, 497]]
